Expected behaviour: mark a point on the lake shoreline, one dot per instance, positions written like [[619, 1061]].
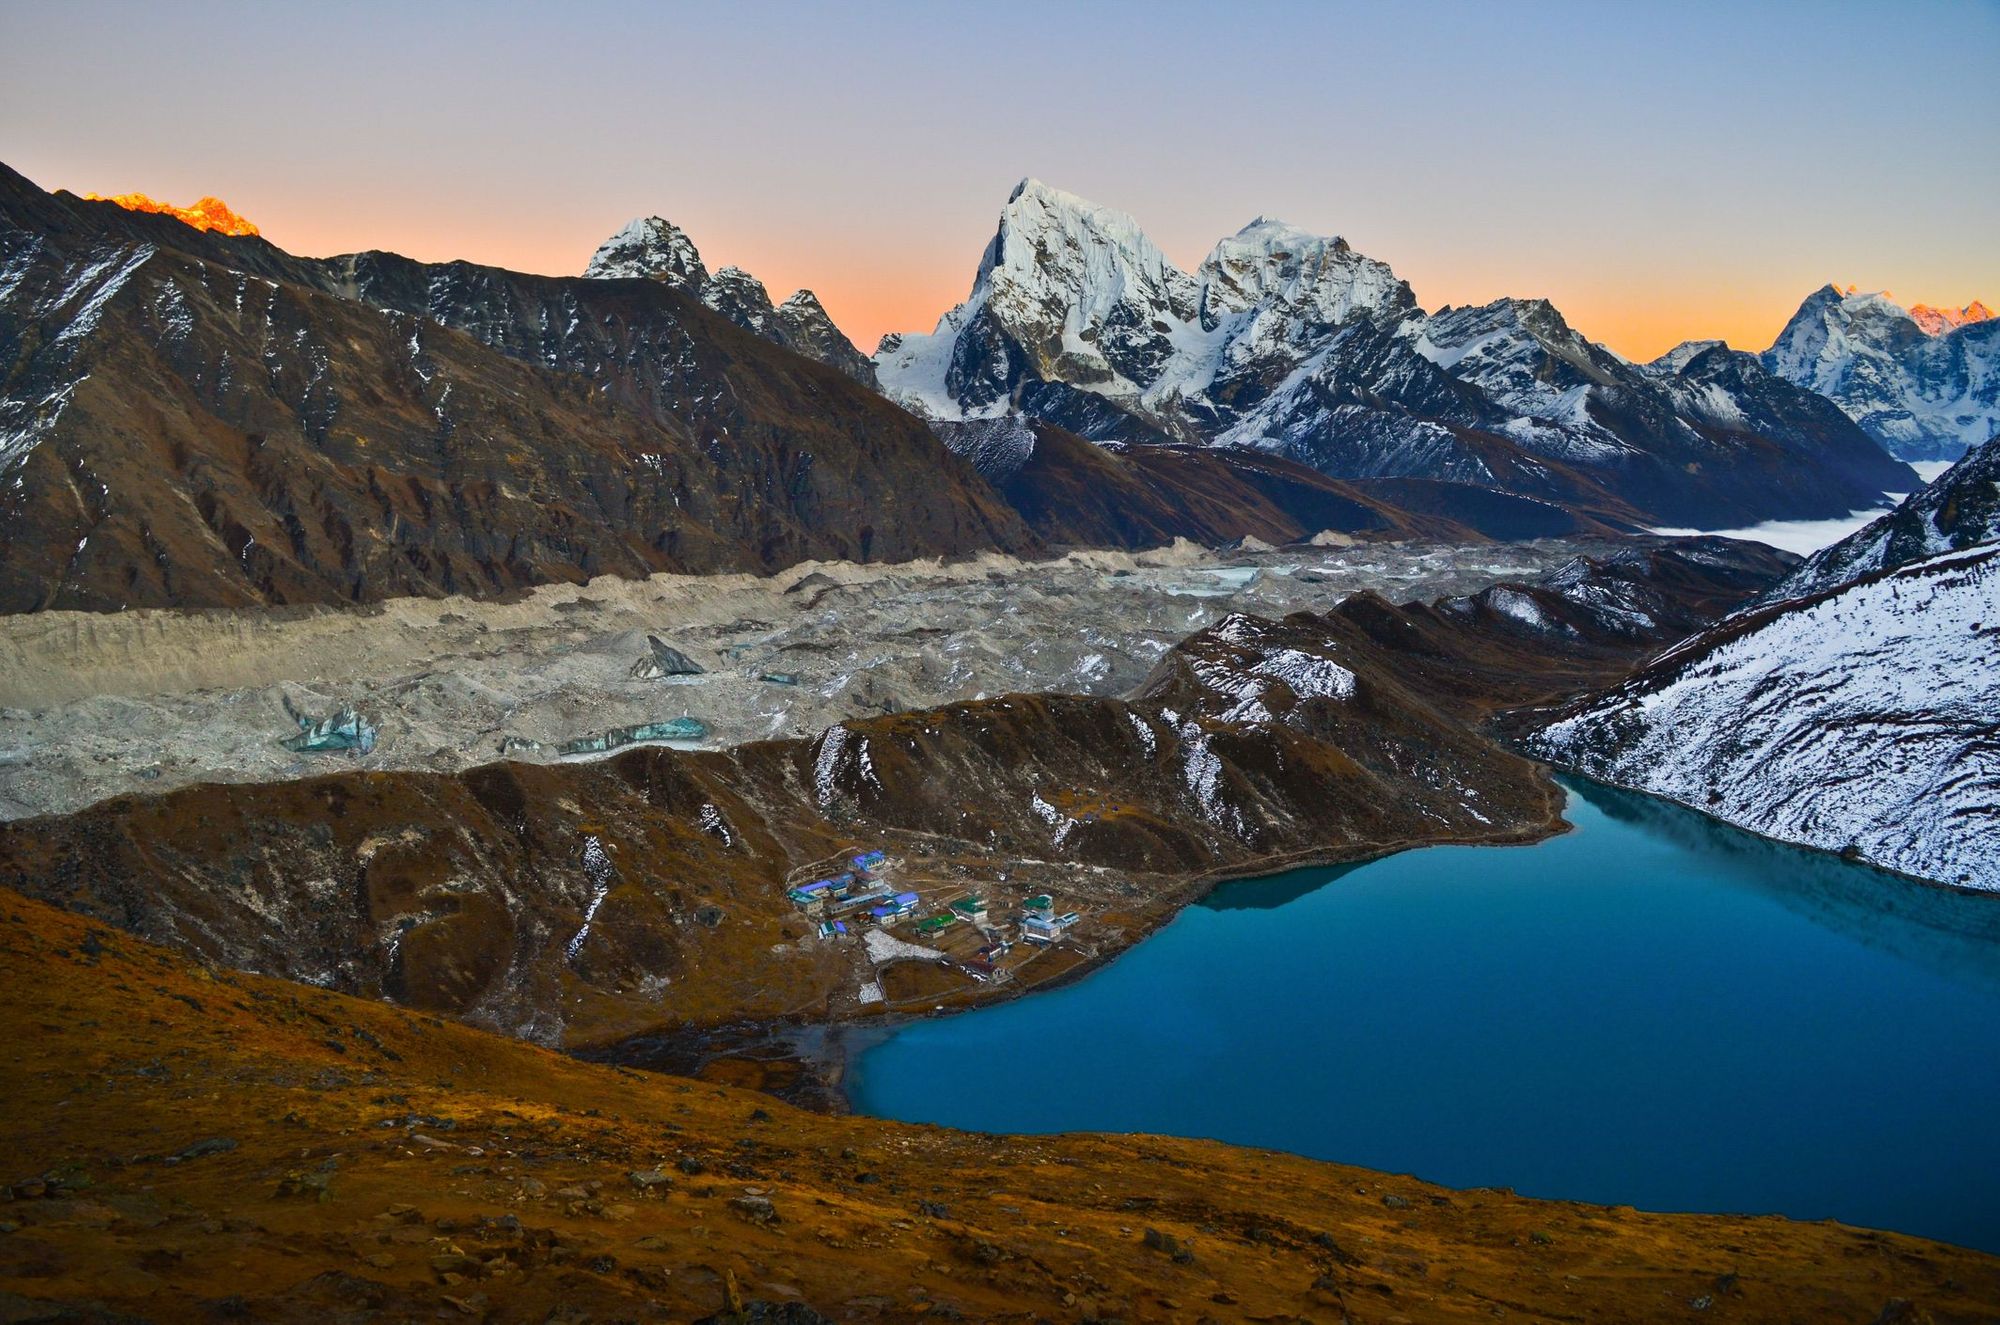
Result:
[[1580, 996], [822, 1051]]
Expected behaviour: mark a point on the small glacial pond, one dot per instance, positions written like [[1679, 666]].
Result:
[[1653, 1010]]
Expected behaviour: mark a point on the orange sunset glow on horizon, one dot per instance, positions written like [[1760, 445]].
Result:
[[1654, 184], [871, 291]]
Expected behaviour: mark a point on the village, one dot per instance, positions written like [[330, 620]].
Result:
[[894, 917]]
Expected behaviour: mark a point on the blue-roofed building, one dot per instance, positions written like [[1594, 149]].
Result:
[[895, 907], [856, 901], [811, 896]]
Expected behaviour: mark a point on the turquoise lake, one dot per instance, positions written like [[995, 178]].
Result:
[[1653, 1010]]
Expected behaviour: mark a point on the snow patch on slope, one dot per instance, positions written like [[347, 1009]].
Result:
[[1863, 720]]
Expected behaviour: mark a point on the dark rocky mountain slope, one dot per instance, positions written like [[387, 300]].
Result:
[[652, 248], [193, 419], [1958, 509], [576, 903], [1294, 343], [1115, 494]]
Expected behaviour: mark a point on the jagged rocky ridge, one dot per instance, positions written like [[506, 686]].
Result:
[[1117, 494], [579, 902], [1923, 382], [195, 419], [1863, 719], [1958, 509], [1295, 344], [652, 248]]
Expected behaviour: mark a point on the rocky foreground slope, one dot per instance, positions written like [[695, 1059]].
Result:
[[1296, 344], [191, 1144], [1864, 719], [577, 903]]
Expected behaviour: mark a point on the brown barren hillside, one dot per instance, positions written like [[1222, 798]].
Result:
[[582, 903], [187, 1144], [189, 419], [1073, 492], [196, 418]]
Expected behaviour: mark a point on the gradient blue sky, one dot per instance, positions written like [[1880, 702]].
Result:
[[1660, 171]]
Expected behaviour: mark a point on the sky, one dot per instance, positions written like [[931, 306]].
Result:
[[1660, 171]]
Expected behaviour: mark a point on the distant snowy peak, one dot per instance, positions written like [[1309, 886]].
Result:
[[1678, 358], [208, 213], [1522, 354], [649, 246], [1923, 382], [1269, 264], [1832, 324], [1294, 343], [1937, 321], [1073, 299], [653, 248], [1051, 241]]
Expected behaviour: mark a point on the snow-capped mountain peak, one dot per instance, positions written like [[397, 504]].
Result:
[[1072, 293], [649, 246], [1286, 341], [207, 213], [1320, 279], [1051, 238], [1937, 321], [1082, 287], [1925, 387], [1678, 358]]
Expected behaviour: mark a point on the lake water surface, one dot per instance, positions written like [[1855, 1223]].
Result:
[[1654, 1010]]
